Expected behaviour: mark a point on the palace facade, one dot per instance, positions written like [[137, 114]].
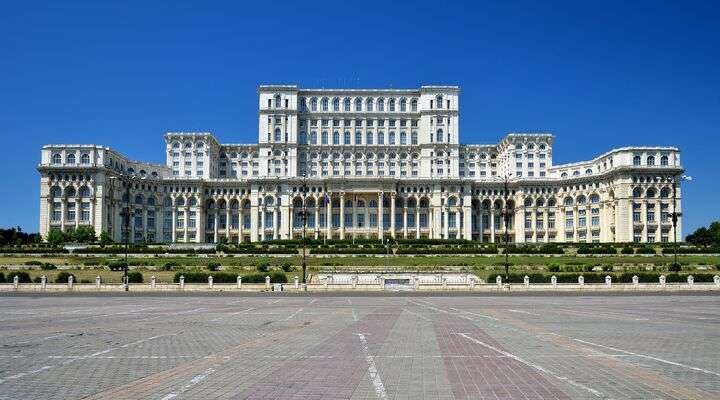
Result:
[[361, 163]]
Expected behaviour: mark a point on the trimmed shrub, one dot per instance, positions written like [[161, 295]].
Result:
[[170, 265], [63, 276], [2, 277], [33, 262], [48, 267], [135, 277], [627, 250], [263, 267], [117, 265], [213, 266]]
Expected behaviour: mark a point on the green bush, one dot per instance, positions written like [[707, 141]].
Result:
[[135, 277], [33, 262], [627, 250], [63, 276], [117, 265], [553, 268], [48, 267], [170, 265], [287, 267], [213, 266], [262, 267], [645, 250], [2, 277]]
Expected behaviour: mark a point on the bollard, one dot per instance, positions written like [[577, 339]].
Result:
[[526, 281], [581, 280], [354, 281], [152, 281], [210, 281], [382, 282], [416, 282], [498, 280], [43, 282], [472, 283], [16, 281], [690, 280], [716, 279], [662, 280], [297, 283], [608, 280], [267, 282], [444, 282], [70, 282], [636, 281], [98, 281], [239, 282], [182, 281]]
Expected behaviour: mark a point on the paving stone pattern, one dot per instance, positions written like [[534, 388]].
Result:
[[368, 347]]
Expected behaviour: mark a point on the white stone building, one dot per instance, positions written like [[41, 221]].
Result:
[[375, 162]]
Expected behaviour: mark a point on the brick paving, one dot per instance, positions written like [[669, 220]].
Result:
[[369, 347]]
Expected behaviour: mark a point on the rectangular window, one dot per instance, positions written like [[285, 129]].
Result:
[[360, 220], [85, 212], [71, 211], [423, 220], [373, 220]]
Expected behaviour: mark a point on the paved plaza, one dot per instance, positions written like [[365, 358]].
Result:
[[276, 346]]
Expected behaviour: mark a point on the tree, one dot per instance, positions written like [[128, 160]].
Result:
[[56, 237], [84, 234], [705, 236], [105, 238]]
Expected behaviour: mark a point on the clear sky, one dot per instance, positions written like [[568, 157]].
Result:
[[122, 73]]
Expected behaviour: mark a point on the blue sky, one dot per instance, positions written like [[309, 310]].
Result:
[[597, 76]]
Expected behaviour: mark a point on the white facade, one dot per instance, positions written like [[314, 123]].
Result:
[[375, 162]]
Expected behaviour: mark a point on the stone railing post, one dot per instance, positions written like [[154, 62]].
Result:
[[267, 282], [354, 280], [16, 281], [153, 281], [636, 281], [581, 280], [239, 282], [98, 281], [553, 280], [716, 279], [444, 282], [210, 281], [472, 283], [297, 283], [43, 282], [526, 281], [662, 280], [70, 282], [498, 280], [690, 280], [182, 281], [381, 279], [608, 280]]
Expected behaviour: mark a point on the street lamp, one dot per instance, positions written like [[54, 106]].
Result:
[[674, 215], [506, 213], [303, 215], [125, 213]]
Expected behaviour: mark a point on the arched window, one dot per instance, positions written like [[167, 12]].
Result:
[[336, 137], [167, 202], [369, 105], [568, 201], [303, 104], [346, 104], [269, 200], [413, 105], [176, 145], [439, 101], [381, 104], [151, 201], [336, 104], [85, 159], [651, 161], [637, 192], [358, 137], [636, 161], [84, 191], [594, 198], [192, 202], [324, 104], [313, 137], [358, 104], [70, 191], [664, 161], [452, 202], [414, 138], [303, 137], [588, 171], [278, 101], [391, 138], [381, 138], [313, 104], [403, 138], [324, 137], [650, 193], [369, 138], [391, 105], [439, 135], [139, 199], [346, 138], [581, 199], [70, 159], [55, 192], [57, 158], [563, 175], [665, 193], [403, 105], [278, 135]]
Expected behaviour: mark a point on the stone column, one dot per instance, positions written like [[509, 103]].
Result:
[[417, 220], [480, 223], [185, 230], [63, 210], [392, 215], [405, 227], [316, 228], [77, 213], [174, 223], [262, 223], [446, 219], [380, 215], [342, 215], [328, 218], [215, 226], [227, 219], [240, 222], [276, 217], [492, 225]]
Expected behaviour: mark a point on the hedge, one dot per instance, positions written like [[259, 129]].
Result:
[[226, 277], [63, 276], [349, 251], [544, 249], [602, 249]]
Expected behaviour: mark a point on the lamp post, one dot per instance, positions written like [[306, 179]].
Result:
[[125, 213], [506, 213], [674, 215], [303, 215]]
